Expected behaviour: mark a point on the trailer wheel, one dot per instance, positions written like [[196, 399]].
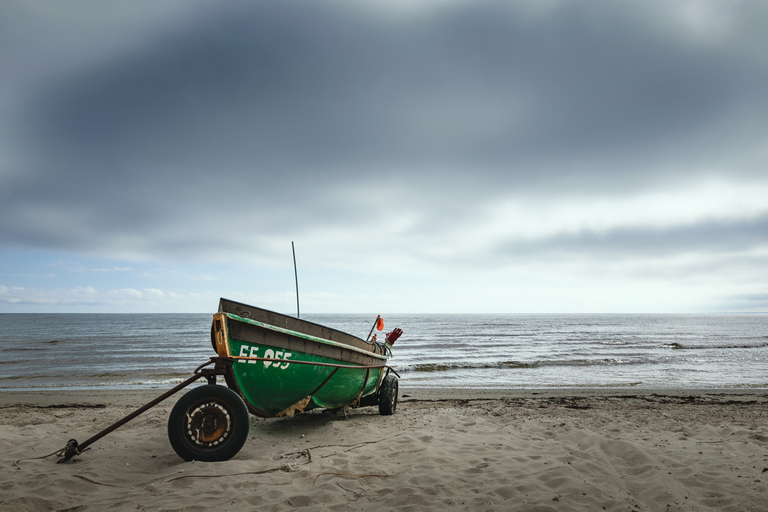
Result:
[[388, 395], [209, 423]]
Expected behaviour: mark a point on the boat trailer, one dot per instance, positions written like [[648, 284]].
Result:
[[222, 365]]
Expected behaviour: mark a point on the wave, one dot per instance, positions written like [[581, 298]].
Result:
[[514, 365], [680, 346], [80, 385], [98, 378]]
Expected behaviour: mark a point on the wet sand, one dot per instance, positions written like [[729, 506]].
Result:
[[443, 449]]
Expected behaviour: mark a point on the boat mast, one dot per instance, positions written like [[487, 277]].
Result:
[[296, 275]]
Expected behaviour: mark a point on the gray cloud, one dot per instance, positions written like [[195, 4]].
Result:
[[714, 236], [746, 302], [253, 114]]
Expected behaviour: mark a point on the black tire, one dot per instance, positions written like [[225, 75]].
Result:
[[388, 395], [209, 423]]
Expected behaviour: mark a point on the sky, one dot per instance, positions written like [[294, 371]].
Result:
[[423, 156]]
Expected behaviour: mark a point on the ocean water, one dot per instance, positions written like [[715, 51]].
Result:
[[88, 351]]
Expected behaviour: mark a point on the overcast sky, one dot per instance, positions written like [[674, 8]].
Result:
[[424, 156]]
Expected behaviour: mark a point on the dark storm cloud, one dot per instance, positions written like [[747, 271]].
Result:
[[322, 85], [241, 110]]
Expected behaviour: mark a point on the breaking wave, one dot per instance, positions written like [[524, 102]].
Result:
[[681, 346], [513, 365]]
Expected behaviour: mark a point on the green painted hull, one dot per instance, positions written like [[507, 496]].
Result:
[[273, 387], [280, 371]]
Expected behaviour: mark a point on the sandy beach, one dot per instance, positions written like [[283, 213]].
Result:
[[449, 450]]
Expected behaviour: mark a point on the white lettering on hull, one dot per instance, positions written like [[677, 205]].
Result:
[[252, 351]]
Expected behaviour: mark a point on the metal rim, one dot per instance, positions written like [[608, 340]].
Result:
[[208, 424]]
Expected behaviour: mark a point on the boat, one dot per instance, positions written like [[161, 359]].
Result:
[[277, 365]]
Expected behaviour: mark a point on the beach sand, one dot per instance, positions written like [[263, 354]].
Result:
[[443, 450]]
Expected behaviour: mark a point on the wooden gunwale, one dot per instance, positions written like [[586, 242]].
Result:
[[294, 324], [254, 331], [305, 336]]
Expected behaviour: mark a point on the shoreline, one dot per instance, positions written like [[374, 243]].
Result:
[[133, 397]]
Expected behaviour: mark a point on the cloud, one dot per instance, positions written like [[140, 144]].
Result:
[[47, 275], [751, 302], [90, 296], [425, 137], [717, 237], [322, 90], [73, 296]]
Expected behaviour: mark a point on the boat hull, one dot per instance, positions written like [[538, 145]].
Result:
[[279, 371]]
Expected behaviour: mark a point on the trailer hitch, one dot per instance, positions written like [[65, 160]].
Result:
[[73, 448]]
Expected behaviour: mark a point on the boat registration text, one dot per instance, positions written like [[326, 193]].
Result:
[[268, 354]]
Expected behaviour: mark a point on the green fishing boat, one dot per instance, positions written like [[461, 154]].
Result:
[[273, 365], [277, 365]]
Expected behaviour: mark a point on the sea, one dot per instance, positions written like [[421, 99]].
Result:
[[493, 351]]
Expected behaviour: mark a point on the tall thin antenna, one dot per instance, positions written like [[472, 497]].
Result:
[[296, 275]]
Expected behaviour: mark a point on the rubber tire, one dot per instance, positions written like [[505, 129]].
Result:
[[388, 395], [225, 402]]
